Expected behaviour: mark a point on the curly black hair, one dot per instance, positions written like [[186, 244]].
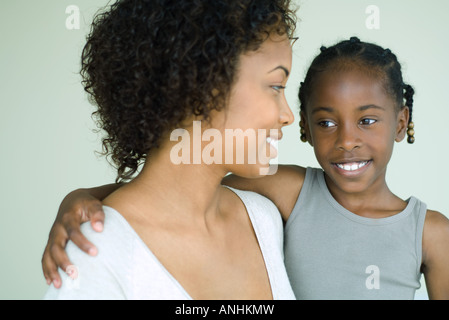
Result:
[[150, 64]]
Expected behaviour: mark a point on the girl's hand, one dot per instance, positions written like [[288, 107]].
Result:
[[77, 207]]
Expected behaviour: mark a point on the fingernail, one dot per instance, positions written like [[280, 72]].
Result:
[[92, 251], [98, 226]]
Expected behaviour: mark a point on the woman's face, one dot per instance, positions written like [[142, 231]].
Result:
[[257, 109]]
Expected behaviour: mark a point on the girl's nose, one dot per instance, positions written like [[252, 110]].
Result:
[[348, 138]]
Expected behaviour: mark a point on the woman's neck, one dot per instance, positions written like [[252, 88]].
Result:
[[185, 191]]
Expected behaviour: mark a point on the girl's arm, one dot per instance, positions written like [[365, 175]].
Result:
[[282, 188], [77, 207], [436, 255], [83, 205]]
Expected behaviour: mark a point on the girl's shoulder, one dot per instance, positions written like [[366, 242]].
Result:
[[435, 258], [436, 225], [435, 237]]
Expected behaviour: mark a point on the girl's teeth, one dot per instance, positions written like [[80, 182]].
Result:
[[352, 166]]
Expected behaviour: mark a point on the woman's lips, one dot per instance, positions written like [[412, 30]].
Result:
[[273, 142]]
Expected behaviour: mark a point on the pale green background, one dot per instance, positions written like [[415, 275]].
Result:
[[47, 143]]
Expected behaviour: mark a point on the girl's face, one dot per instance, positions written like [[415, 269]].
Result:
[[352, 124], [257, 105]]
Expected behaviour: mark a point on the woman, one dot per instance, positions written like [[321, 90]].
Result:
[[156, 68]]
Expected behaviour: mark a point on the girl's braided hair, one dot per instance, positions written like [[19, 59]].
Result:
[[381, 61]]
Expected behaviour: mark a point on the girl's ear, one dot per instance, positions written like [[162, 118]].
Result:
[[305, 131], [402, 124]]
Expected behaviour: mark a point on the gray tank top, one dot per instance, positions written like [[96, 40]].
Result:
[[332, 253]]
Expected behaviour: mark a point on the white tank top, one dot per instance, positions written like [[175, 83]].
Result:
[[125, 268]]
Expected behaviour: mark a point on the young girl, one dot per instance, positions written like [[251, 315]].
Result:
[[347, 236]]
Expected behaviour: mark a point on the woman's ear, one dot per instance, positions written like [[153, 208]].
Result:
[[402, 123]]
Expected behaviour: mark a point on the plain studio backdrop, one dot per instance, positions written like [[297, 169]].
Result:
[[46, 130]]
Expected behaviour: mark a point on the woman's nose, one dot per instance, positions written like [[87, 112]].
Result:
[[286, 116]]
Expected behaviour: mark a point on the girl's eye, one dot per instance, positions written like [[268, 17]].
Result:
[[327, 124], [278, 88], [367, 122]]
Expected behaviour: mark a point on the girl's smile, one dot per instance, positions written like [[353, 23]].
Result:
[[352, 168]]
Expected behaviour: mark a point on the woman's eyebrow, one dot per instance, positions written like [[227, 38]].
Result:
[[282, 68]]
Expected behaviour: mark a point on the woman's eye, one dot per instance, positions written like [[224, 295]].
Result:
[[327, 124], [367, 121], [278, 88]]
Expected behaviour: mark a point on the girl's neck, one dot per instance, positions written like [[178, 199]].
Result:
[[377, 201]]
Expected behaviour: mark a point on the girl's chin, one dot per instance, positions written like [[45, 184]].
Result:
[[348, 183]]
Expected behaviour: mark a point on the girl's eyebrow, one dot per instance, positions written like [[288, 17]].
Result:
[[370, 106], [326, 109], [361, 108]]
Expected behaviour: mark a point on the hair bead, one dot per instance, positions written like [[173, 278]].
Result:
[[303, 135], [411, 132]]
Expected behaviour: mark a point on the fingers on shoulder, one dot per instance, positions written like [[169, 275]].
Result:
[[95, 210]]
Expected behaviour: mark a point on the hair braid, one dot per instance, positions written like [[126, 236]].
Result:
[[408, 96], [382, 62]]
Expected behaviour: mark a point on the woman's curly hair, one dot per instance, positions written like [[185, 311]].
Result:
[[150, 64]]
